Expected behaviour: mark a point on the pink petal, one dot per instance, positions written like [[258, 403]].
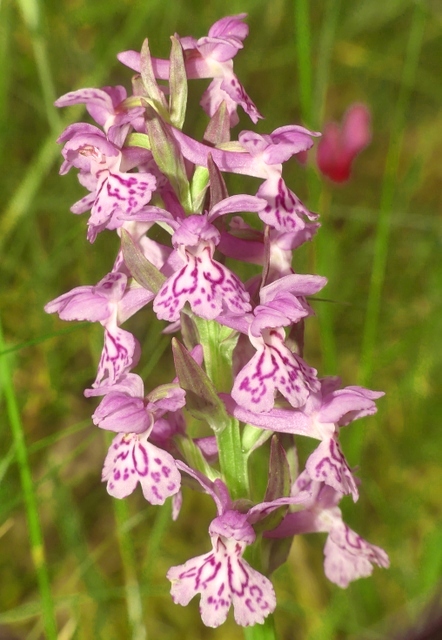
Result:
[[80, 304], [349, 557], [132, 459], [121, 413], [284, 210], [328, 464], [121, 352], [356, 129], [274, 367]]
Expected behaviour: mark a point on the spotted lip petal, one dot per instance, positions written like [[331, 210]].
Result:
[[223, 578], [274, 367], [132, 459], [207, 285], [118, 194]]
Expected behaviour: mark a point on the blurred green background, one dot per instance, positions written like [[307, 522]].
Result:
[[380, 246]]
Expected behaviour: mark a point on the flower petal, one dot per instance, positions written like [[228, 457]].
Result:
[[132, 459], [274, 367], [328, 464], [349, 557], [207, 285]]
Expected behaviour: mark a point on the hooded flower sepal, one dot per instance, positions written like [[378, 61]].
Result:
[[207, 285], [282, 302], [108, 108], [124, 409]]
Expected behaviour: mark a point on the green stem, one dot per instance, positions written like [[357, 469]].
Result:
[[322, 68], [218, 344], [156, 537], [233, 462], [324, 265], [30, 499]]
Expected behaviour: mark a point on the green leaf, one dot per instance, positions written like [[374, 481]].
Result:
[[168, 156], [202, 400], [144, 272], [177, 85]]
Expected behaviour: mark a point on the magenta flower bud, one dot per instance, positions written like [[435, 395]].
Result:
[[339, 146]]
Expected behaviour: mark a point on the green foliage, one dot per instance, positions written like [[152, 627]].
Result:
[[379, 247]]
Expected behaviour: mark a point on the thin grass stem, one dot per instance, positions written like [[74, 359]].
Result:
[[31, 12], [381, 246], [22, 199], [30, 499], [134, 600], [303, 52], [312, 108]]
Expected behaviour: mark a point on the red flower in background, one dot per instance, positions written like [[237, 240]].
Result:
[[340, 145]]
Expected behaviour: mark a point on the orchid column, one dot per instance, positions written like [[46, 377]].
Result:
[[237, 346]]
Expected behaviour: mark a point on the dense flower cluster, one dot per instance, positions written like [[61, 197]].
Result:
[[239, 366]]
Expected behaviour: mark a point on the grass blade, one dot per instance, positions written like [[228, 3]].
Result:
[[30, 498]]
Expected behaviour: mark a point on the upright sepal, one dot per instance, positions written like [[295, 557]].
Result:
[[177, 85], [154, 96], [280, 481], [218, 189], [278, 485], [218, 129]]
